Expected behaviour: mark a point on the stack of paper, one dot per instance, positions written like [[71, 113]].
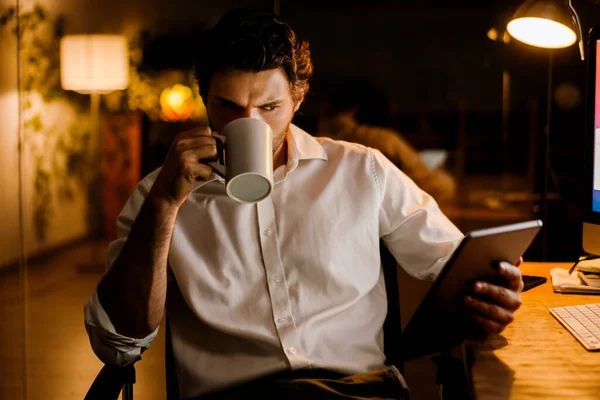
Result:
[[563, 282]]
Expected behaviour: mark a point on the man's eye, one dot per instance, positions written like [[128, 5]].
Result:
[[270, 107], [228, 105]]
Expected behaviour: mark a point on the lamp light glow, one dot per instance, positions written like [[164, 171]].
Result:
[[177, 102], [492, 34], [94, 63], [540, 32]]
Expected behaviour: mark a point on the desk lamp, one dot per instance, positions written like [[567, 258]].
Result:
[[550, 24]]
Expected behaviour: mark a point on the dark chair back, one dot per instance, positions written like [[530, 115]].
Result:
[[170, 370], [110, 381], [392, 328]]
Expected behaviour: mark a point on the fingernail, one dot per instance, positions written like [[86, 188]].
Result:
[[478, 286], [468, 299], [504, 265]]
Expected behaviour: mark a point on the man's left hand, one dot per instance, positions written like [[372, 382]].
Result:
[[494, 313]]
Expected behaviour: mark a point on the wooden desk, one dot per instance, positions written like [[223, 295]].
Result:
[[535, 357]]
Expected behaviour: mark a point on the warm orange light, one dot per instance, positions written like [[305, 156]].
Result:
[[177, 102], [492, 34]]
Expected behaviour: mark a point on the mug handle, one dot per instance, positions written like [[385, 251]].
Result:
[[217, 167]]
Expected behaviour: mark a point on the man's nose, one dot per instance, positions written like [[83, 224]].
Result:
[[251, 113]]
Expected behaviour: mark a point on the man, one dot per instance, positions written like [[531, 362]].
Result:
[[287, 288], [350, 114]]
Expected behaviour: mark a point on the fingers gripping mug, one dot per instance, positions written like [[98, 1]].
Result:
[[248, 160]]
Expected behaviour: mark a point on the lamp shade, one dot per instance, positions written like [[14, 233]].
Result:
[[94, 63], [551, 24]]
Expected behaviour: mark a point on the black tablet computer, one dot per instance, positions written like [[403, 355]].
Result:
[[439, 321]]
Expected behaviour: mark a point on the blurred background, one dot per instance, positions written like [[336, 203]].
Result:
[[448, 79]]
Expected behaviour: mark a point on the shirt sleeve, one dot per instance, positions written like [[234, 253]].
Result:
[[438, 183], [111, 347], [419, 236]]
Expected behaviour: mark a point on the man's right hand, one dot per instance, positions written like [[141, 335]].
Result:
[[182, 167], [137, 311]]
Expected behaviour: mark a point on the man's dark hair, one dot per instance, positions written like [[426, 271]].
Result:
[[250, 40]]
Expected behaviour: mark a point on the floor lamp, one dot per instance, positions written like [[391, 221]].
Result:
[[94, 65], [551, 24]]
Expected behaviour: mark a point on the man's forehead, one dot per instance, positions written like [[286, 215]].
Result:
[[233, 82]]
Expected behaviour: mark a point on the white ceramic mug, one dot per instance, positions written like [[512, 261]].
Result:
[[248, 161]]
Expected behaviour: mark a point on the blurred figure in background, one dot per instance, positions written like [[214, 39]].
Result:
[[355, 111]]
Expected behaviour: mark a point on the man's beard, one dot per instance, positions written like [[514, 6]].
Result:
[[279, 140]]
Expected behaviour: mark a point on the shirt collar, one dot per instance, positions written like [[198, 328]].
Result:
[[302, 146]]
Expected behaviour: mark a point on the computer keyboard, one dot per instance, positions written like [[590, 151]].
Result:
[[582, 321]]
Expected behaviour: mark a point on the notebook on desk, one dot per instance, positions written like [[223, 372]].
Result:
[[563, 282]]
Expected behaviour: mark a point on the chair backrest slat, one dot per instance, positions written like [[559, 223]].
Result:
[[171, 372], [392, 325]]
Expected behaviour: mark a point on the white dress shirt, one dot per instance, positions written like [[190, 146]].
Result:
[[291, 282]]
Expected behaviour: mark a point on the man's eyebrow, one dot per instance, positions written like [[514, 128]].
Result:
[[272, 103], [233, 103]]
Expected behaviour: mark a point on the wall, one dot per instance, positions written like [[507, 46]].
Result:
[[426, 54], [117, 16], [9, 107], [54, 204], [12, 343]]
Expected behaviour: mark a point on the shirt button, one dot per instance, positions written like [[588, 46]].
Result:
[[267, 232], [277, 279], [283, 320], [292, 350]]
